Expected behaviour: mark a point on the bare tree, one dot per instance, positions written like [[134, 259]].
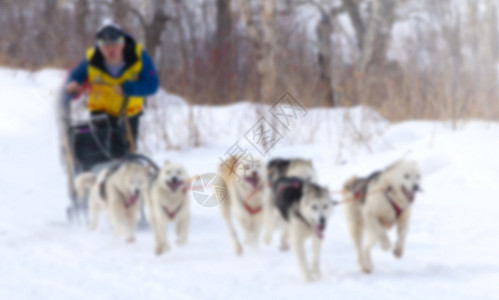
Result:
[[223, 49], [260, 26], [373, 31], [324, 31], [377, 35]]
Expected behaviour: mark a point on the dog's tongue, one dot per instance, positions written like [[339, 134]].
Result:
[[409, 194], [253, 180], [132, 199], [175, 185], [319, 231]]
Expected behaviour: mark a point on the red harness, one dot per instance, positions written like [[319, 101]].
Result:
[[249, 209], [293, 184], [172, 214], [398, 210]]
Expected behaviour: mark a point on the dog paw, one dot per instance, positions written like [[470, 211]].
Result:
[[398, 251], [130, 240], [308, 278], [159, 250], [385, 244], [316, 272], [181, 241], [238, 249], [284, 247], [162, 248], [267, 239], [366, 266]]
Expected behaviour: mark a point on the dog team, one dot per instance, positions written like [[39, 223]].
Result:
[[281, 196]]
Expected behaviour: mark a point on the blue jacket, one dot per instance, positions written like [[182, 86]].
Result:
[[146, 85]]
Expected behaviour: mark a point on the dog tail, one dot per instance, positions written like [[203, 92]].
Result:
[[83, 183], [352, 210], [227, 168]]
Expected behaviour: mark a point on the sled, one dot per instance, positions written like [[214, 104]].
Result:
[[91, 145]]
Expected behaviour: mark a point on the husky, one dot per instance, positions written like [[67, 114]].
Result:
[[167, 201], [119, 190], [375, 204], [246, 187], [277, 169], [305, 207]]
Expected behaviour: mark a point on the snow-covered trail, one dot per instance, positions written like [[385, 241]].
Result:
[[452, 249]]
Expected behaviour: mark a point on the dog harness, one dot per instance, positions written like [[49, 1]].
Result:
[[287, 190], [398, 210], [247, 207], [172, 214], [360, 186], [103, 183]]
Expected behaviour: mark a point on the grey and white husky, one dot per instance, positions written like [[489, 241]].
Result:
[[276, 170], [306, 208], [119, 190]]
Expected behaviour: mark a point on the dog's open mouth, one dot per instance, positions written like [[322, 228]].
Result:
[[410, 194], [319, 230], [175, 185], [132, 199], [253, 180]]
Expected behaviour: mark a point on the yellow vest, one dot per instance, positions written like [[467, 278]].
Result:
[[102, 95]]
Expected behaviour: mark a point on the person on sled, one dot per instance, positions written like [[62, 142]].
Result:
[[117, 68]]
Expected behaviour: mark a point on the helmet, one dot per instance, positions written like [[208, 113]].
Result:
[[110, 34]]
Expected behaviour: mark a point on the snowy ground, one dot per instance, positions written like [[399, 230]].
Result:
[[452, 249]]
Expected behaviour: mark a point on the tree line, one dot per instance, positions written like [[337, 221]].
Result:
[[406, 58]]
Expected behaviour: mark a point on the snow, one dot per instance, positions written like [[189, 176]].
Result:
[[452, 247]]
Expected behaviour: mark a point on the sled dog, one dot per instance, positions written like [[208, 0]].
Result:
[[306, 208], [167, 201], [276, 170], [375, 204], [246, 186], [118, 190]]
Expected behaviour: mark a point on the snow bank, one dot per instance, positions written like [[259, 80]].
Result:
[[451, 249]]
